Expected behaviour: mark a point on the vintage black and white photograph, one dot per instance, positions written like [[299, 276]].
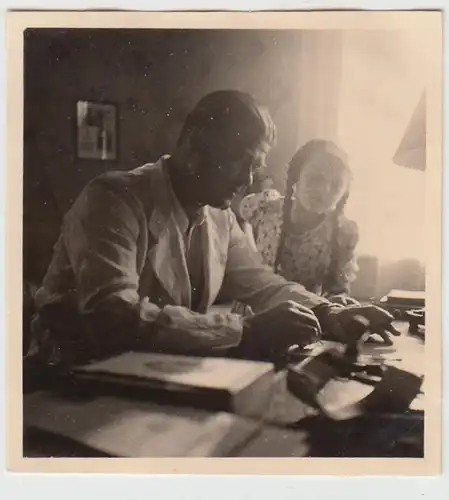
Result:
[[224, 240]]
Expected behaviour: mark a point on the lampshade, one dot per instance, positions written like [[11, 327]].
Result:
[[412, 149]]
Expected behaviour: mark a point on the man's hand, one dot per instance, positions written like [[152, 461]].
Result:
[[343, 300], [273, 332], [349, 324]]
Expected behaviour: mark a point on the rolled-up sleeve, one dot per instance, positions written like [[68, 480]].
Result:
[[250, 282]]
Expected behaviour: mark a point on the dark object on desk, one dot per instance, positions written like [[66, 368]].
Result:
[[216, 384], [394, 389], [318, 437], [380, 436], [417, 321]]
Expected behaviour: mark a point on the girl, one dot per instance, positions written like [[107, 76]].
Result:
[[305, 235]]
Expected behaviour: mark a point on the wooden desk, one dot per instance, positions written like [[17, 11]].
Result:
[[295, 430], [138, 429], [408, 350]]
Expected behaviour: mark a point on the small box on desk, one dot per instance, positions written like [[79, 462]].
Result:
[[216, 384]]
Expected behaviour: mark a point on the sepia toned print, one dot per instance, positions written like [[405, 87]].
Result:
[[236, 254]]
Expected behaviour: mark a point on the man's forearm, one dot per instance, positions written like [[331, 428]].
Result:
[[279, 291], [118, 325]]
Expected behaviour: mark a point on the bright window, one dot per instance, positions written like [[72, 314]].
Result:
[[382, 81]]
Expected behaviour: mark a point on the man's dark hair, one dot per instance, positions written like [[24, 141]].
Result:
[[228, 123]]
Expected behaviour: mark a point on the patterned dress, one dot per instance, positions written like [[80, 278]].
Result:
[[322, 259]]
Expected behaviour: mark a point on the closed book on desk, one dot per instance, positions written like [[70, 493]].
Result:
[[217, 384], [114, 427], [404, 299]]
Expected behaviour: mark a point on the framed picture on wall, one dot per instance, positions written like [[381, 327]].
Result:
[[96, 131]]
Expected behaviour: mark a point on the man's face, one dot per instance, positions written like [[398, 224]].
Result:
[[219, 182]]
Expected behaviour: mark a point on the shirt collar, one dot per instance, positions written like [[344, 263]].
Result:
[[182, 219]]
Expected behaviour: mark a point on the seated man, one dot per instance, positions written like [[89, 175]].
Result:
[[143, 254]]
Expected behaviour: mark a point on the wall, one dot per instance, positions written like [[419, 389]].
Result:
[[155, 77]]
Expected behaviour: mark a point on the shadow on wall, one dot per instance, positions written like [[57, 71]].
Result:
[[375, 279]]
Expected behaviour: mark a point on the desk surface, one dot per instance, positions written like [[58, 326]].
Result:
[[199, 433], [296, 431], [407, 353]]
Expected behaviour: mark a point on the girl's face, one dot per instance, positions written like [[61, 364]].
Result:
[[321, 186]]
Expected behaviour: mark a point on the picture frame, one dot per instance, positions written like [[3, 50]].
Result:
[[96, 130]]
